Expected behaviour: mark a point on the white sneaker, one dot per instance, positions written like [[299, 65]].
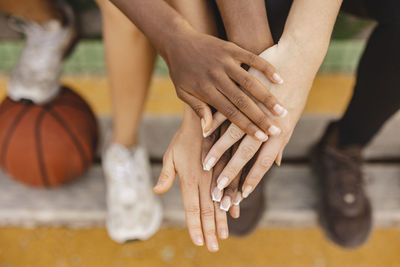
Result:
[[134, 212], [36, 75]]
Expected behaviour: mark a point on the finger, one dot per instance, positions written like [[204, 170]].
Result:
[[260, 64], [201, 109], [230, 193], [247, 148], [229, 110], [263, 163], [257, 90], [207, 213], [278, 159], [167, 175], [228, 139], [217, 120], [234, 211], [215, 192], [248, 106], [191, 204], [221, 221]]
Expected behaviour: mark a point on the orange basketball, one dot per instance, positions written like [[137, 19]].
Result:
[[50, 144]]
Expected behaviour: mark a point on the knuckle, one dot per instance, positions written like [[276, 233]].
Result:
[[209, 232], [247, 82], [262, 121], [247, 151], [266, 161], [197, 108], [234, 132], [230, 112], [251, 58], [268, 99], [179, 93], [240, 102], [193, 210], [207, 212]]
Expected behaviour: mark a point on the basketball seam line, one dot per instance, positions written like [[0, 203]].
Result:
[[73, 138], [39, 149], [9, 133]]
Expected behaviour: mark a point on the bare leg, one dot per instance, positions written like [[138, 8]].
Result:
[[35, 10], [130, 63]]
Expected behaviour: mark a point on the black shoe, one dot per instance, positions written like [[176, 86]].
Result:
[[345, 210]]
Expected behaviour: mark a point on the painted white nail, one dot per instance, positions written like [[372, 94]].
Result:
[[277, 78], [214, 246], [199, 240], [223, 182], [225, 203], [261, 136], [273, 130], [224, 234], [246, 191], [238, 199], [280, 110], [203, 124], [209, 164], [216, 194]]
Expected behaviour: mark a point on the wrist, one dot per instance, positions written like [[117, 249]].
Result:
[[254, 43], [177, 34], [299, 46]]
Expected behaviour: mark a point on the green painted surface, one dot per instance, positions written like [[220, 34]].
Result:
[[88, 57]]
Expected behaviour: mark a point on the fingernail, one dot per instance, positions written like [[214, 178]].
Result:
[[209, 164], [273, 130], [261, 136], [199, 241], [225, 203], [223, 234], [246, 191], [280, 110], [238, 199], [214, 246], [278, 162], [206, 134], [203, 124], [216, 194], [277, 78], [223, 182]]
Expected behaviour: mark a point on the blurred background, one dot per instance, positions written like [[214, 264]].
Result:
[[65, 226]]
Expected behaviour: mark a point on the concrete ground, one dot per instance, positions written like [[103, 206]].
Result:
[[26, 242]]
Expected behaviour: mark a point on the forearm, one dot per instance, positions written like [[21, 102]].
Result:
[[309, 27], [246, 24], [156, 19]]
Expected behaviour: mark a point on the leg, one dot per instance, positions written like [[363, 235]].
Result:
[[346, 210], [377, 93], [130, 63], [39, 11]]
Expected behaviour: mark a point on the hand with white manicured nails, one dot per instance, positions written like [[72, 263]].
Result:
[[279, 132], [204, 219]]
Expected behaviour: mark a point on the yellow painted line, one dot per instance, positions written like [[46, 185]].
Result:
[[172, 247], [330, 94]]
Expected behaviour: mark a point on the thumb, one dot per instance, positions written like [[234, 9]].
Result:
[[167, 175], [202, 110], [278, 159]]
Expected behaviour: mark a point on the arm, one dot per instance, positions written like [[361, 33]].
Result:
[[203, 67], [299, 54], [246, 24]]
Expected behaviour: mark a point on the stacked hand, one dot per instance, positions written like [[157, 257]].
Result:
[[206, 182]]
